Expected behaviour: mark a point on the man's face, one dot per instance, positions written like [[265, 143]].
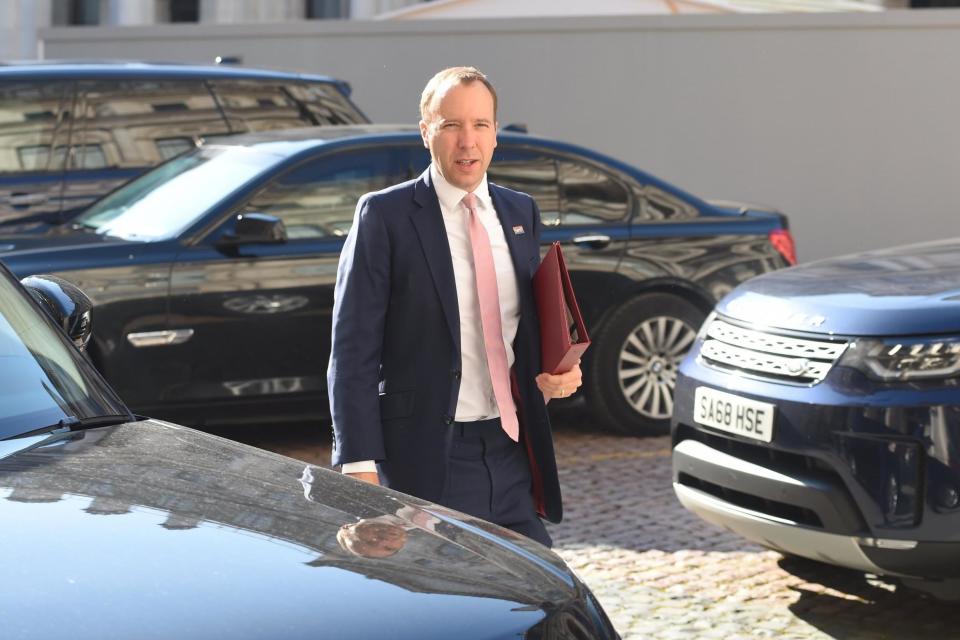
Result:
[[372, 538], [461, 133]]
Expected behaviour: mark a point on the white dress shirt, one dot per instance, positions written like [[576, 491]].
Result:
[[476, 400]]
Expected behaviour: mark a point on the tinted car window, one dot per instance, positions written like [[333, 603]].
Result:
[[170, 147], [261, 106], [590, 196], [126, 123], [33, 124], [659, 205], [530, 172], [325, 103], [318, 198]]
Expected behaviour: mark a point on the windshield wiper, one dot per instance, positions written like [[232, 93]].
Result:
[[71, 424], [63, 429]]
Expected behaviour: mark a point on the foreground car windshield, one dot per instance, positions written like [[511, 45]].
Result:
[[162, 203], [43, 378]]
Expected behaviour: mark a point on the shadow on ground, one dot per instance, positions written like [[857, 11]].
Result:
[[858, 605]]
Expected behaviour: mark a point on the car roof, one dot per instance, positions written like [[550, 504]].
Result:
[[94, 69], [313, 135]]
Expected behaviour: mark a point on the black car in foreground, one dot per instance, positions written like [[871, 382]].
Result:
[[213, 274], [122, 527], [818, 414]]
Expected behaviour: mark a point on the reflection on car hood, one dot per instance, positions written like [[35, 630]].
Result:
[[908, 290], [153, 530]]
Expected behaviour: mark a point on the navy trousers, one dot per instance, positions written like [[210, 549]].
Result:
[[488, 476]]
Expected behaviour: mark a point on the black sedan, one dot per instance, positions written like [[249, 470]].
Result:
[[213, 274], [120, 527]]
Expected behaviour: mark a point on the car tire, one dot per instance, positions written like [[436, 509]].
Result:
[[632, 371]]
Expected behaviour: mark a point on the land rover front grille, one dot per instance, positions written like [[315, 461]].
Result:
[[768, 355]]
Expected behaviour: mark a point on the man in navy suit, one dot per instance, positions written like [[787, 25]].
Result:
[[434, 376]]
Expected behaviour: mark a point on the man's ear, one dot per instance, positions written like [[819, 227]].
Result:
[[423, 133]]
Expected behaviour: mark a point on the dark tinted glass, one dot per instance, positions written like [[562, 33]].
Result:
[[659, 205], [33, 126], [318, 199], [589, 195], [170, 147], [130, 123], [531, 172], [184, 10], [252, 105], [328, 8], [75, 12]]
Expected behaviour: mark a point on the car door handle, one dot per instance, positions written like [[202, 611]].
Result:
[[27, 199], [159, 338], [594, 240]]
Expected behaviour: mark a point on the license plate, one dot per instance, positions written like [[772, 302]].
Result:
[[733, 414]]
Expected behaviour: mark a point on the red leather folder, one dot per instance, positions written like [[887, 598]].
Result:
[[563, 336]]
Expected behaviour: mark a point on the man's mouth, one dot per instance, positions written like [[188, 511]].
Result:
[[466, 163]]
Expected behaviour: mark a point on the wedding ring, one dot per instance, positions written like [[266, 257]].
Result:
[[562, 392]]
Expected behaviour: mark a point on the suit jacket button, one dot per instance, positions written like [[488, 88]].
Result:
[[448, 420], [456, 375]]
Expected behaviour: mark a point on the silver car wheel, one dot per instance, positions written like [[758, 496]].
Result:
[[647, 367]]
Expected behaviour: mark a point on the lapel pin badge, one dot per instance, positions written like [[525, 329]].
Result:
[[518, 230]]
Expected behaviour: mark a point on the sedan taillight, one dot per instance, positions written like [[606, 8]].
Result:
[[782, 241]]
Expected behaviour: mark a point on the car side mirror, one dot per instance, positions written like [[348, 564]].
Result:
[[65, 303], [255, 228]]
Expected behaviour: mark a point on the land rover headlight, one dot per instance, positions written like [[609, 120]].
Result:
[[910, 359]]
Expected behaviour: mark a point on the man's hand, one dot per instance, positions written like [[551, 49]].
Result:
[[560, 385], [366, 476]]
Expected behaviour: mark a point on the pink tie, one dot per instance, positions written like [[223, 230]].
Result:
[[490, 319]]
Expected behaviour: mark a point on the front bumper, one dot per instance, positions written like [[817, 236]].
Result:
[[860, 476]]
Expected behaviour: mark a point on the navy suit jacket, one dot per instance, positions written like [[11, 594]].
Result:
[[394, 373]]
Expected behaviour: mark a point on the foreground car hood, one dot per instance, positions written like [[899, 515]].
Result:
[[909, 290], [152, 530]]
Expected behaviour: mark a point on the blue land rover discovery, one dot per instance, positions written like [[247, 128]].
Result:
[[818, 413]]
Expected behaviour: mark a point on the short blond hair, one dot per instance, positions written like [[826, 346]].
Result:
[[452, 76]]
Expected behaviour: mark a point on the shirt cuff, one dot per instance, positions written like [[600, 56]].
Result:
[[364, 466]]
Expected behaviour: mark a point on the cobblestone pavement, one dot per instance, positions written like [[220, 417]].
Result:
[[661, 572]]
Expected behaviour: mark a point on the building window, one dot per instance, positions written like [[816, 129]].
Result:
[[76, 12], [184, 10], [328, 9]]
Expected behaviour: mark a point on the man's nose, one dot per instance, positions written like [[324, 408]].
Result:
[[467, 138]]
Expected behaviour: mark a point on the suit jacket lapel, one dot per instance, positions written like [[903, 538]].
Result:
[[510, 219], [428, 221]]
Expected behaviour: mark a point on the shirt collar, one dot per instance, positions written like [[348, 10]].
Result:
[[450, 196]]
